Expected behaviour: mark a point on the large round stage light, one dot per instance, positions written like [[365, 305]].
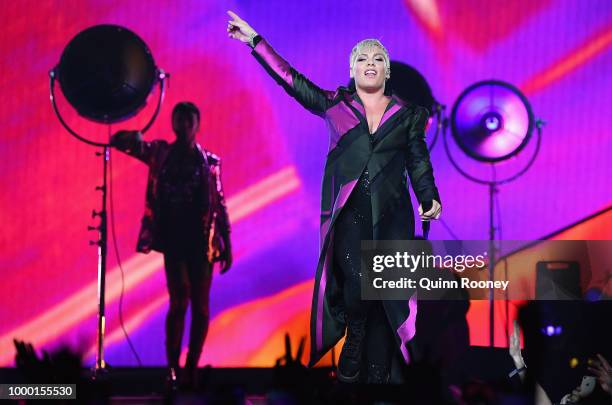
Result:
[[106, 73], [492, 121]]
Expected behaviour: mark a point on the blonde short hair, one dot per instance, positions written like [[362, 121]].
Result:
[[369, 43]]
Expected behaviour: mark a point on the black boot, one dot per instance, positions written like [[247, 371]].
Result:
[[350, 357]]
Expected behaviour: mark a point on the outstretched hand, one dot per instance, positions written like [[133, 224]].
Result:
[[603, 372], [123, 137], [515, 346], [239, 29]]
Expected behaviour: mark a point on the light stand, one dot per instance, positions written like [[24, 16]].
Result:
[[102, 228], [479, 124]]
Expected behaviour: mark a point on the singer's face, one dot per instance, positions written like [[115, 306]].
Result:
[[369, 69], [185, 126]]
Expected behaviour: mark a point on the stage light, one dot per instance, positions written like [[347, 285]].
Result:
[[106, 73], [593, 294], [552, 330], [492, 121]]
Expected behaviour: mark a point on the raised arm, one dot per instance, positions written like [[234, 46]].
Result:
[[131, 142], [295, 84], [419, 166]]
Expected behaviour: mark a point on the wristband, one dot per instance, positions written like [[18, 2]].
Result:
[[254, 40], [517, 371]]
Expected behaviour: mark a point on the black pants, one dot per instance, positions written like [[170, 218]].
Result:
[[188, 277], [352, 226]]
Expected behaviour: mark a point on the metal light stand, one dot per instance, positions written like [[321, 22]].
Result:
[[493, 189], [102, 244], [102, 228]]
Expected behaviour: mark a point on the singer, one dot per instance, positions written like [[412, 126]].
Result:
[[374, 139]]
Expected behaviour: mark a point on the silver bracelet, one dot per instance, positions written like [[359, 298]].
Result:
[[251, 38], [517, 371]]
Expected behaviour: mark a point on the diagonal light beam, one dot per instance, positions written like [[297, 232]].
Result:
[[427, 12], [570, 62]]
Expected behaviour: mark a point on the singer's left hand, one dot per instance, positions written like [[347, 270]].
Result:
[[433, 213]]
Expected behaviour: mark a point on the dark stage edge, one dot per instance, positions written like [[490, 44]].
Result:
[[152, 380], [147, 385]]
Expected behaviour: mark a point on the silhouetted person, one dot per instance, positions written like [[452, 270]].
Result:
[[186, 220]]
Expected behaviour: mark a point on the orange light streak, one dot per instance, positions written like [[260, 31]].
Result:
[[569, 62]]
